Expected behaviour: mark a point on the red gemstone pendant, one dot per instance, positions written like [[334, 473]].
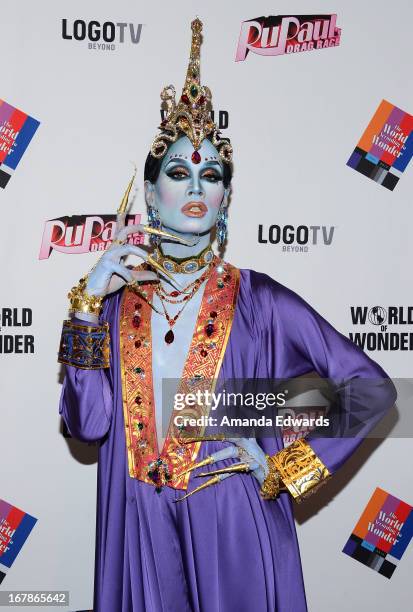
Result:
[[169, 337], [196, 158]]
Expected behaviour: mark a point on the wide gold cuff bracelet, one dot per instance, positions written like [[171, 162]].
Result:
[[301, 471], [84, 346]]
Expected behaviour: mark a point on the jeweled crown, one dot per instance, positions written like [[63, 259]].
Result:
[[192, 114]]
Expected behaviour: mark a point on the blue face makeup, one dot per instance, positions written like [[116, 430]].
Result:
[[188, 195]]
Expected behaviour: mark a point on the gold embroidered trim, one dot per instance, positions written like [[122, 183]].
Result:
[[146, 461], [136, 374], [201, 372], [301, 471]]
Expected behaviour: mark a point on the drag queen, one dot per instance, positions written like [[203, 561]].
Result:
[[168, 539]]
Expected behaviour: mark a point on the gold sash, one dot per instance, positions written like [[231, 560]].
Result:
[[201, 370]]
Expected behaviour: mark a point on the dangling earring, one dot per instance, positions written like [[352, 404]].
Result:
[[154, 221], [222, 221]]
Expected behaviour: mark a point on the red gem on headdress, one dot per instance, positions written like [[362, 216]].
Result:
[[185, 99], [201, 100], [164, 122], [195, 157]]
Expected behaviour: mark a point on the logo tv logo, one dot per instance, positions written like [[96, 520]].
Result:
[[108, 32], [281, 34], [296, 239]]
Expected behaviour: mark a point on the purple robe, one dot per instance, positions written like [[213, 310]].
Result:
[[224, 549]]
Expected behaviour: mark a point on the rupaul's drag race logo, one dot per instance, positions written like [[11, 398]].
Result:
[[381, 336], [84, 233], [283, 34], [101, 36], [301, 422]]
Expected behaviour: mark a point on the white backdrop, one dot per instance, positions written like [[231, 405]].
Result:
[[294, 121]]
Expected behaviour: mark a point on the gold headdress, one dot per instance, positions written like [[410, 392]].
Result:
[[192, 114]]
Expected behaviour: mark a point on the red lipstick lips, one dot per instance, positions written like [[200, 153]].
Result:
[[194, 209]]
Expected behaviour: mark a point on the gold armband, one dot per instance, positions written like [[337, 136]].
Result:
[[81, 301], [300, 470]]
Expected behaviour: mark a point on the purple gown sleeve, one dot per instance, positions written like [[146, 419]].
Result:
[[86, 402], [308, 342]]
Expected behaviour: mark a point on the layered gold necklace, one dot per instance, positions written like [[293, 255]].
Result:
[[178, 297], [184, 265]]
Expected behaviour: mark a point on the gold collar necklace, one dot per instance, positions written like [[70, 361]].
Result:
[[185, 265]]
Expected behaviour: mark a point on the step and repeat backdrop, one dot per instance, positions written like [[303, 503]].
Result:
[[317, 98]]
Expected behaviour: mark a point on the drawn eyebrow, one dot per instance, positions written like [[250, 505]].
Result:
[[215, 163], [184, 163], [176, 159]]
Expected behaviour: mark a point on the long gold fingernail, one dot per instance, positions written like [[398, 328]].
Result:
[[211, 438], [209, 483], [157, 232], [207, 461], [237, 467], [124, 203]]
